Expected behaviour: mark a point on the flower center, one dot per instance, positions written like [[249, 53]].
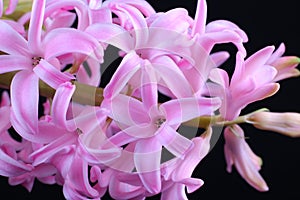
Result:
[[159, 122], [36, 60]]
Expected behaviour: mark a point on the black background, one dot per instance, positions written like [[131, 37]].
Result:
[[266, 23]]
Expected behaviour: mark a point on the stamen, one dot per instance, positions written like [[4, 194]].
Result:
[[36, 60], [159, 122], [79, 131]]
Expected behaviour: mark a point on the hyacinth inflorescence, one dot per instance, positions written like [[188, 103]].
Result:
[[59, 127]]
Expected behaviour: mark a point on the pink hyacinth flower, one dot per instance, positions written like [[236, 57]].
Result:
[[285, 65], [238, 153], [152, 126], [251, 81]]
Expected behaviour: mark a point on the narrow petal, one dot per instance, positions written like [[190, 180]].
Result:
[[1, 8], [210, 39], [11, 7], [112, 34], [144, 6], [258, 59], [127, 68], [149, 86], [11, 167], [24, 101], [172, 77], [177, 144], [175, 192], [242, 157], [60, 105], [5, 99], [175, 19], [14, 43], [223, 25], [4, 119], [97, 154], [61, 19], [200, 18], [10, 63], [138, 22], [62, 41], [56, 148], [51, 75], [35, 26], [78, 178], [147, 161], [220, 77], [182, 110], [127, 110]]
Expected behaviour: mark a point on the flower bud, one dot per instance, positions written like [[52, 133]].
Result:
[[285, 123]]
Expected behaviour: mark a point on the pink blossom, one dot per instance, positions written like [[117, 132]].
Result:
[[285, 65], [152, 126], [239, 154], [251, 81]]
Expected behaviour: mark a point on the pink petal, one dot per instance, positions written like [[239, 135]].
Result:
[[200, 18], [1, 8], [11, 7], [143, 6], [218, 58], [127, 110], [182, 110], [172, 77], [24, 101], [127, 68], [91, 79], [277, 54], [192, 184], [177, 144], [78, 179], [5, 99], [11, 167], [60, 105], [4, 118], [149, 86], [210, 39], [10, 63], [258, 59], [239, 151], [51, 75], [220, 77], [259, 94], [175, 192], [63, 41], [147, 161], [14, 43], [112, 34], [122, 189], [223, 25], [57, 147], [60, 19], [35, 26], [175, 19], [138, 22]]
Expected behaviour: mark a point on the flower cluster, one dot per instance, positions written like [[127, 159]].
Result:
[[58, 126]]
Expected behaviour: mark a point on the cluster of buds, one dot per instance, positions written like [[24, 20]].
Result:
[[62, 122]]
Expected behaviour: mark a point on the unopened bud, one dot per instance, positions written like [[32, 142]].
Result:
[[285, 123]]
